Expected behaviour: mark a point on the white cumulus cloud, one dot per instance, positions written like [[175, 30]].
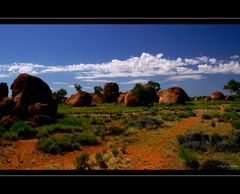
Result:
[[145, 65], [184, 77], [141, 81], [234, 57]]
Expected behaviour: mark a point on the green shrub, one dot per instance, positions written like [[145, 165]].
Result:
[[124, 122], [53, 145], [188, 156], [192, 164], [18, 130], [123, 149], [19, 125], [236, 124], [206, 116], [2, 130], [81, 161], [117, 130], [215, 139], [100, 131], [169, 116], [213, 124], [84, 138], [214, 165], [230, 115], [72, 121], [115, 152], [100, 160], [10, 135], [186, 114], [181, 139]]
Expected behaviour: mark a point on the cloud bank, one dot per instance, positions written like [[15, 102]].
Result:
[[145, 65]]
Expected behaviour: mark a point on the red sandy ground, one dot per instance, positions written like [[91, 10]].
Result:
[[155, 150]]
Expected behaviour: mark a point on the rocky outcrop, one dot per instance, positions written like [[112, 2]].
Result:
[[6, 106], [3, 90], [173, 95], [121, 97], [229, 98], [217, 96], [131, 100], [79, 99], [31, 97], [7, 121], [97, 98], [141, 96], [110, 92]]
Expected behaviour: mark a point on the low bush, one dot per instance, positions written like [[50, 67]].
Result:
[[236, 124], [213, 124], [84, 138], [181, 139], [215, 139], [146, 122], [81, 162], [10, 135], [117, 130], [53, 145], [214, 165], [230, 116], [115, 152], [101, 161], [189, 157], [186, 114], [100, 131], [206, 116], [195, 141]]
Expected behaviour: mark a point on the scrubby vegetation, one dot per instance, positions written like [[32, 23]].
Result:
[[212, 143]]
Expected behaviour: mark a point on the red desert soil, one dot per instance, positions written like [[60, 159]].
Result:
[[155, 150], [161, 153]]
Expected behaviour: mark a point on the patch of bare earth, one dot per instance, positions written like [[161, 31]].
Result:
[[161, 151], [154, 150], [22, 155]]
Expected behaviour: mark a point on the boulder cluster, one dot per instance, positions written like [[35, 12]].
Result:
[[138, 96], [31, 101]]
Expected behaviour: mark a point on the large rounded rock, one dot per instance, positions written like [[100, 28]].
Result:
[[110, 92], [3, 90], [173, 95], [6, 106], [39, 109], [40, 120], [79, 99], [229, 98], [141, 96], [131, 100], [121, 97], [33, 87], [97, 98], [28, 90], [217, 96]]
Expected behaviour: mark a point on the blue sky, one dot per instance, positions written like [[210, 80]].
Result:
[[198, 58]]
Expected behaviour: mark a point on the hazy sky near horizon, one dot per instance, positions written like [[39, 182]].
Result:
[[199, 58]]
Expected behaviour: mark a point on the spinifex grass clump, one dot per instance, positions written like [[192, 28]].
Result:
[[215, 165], [81, 162], [19, 130], [186, 114], [189, 157], [236, 124], [54, 145], [67, 124], [195, 141]]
